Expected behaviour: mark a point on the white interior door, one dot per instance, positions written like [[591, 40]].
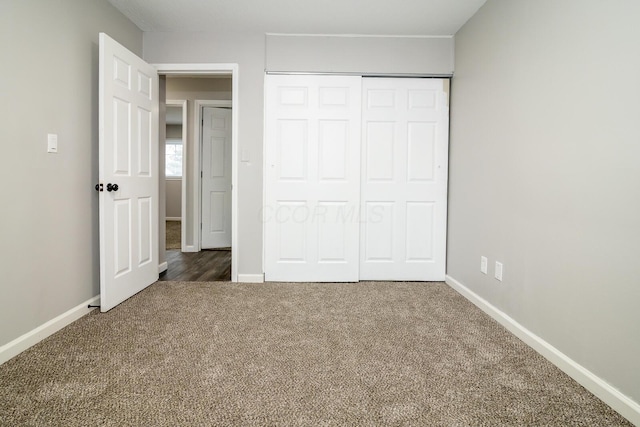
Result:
[[312, 178], [404, 179], [216, 178], [128, 173]]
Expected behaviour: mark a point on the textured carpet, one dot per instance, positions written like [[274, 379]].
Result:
[[186, 354], [174, 236]]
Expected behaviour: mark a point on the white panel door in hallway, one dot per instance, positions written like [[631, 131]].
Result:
[[216, 177], [312, 161], [128, 173], [404, 179]]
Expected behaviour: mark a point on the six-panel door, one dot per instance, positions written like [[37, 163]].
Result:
[[312, 178], [404, 179], [128, 147], [216, 178]]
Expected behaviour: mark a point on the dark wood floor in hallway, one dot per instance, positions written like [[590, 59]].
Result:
[[203, 266]]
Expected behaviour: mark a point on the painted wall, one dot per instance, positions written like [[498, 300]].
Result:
[[49, 84], [544, 176], [191, 89], [360, 54], [248, 51], [174, 198], [173, 190]]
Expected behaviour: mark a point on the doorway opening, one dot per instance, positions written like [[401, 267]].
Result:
[[207, 189]]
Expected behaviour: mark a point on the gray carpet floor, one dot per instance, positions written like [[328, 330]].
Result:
[[371, 353], [174, 235]]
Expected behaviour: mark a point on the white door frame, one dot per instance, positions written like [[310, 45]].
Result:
[[186, 70], [197, 145]]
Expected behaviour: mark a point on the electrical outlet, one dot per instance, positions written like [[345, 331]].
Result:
[[483, 264], [498, 273]]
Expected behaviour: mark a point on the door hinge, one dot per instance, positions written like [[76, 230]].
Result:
[[201, 174]]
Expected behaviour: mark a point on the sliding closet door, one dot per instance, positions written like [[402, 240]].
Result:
[[312, 153], [404, 179]]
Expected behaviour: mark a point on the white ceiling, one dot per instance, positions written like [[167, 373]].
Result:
[[370, 17]]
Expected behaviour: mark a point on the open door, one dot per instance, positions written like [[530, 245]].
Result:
[[128, 173]]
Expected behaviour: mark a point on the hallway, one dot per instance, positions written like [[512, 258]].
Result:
[[204, 266]]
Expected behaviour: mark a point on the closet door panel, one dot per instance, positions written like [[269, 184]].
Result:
[[312, 177], [404, 170]]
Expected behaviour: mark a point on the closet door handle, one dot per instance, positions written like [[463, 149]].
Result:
[[112, 187]]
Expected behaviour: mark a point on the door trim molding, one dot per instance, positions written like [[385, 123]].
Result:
[[183, 202], [232, 69]]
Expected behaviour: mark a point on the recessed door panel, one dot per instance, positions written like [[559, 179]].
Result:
[[144, 142], [422, 99], [379, 149], [122, 236], [332, 232], [145, 241], [291, 235], [421, 140], [217, 159], [381, 98], [333, 150], [144, 85], [121, 72], [292, 149], [334, 97], [217, 211], [121, 136], [379, 232], [292, 96], [419, 226]]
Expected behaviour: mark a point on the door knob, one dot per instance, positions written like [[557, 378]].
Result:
[[112, 187]]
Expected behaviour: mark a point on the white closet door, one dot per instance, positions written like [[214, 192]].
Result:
[[312, 178], [404, 179]]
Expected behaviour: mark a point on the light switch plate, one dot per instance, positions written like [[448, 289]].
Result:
[[483, 264], [52, 143], [498, 274]]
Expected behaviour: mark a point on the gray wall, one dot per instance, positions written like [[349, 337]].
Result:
[[173, 193], [49, 217], [248, 51], [173, 189], [544, 176], [362, 54]]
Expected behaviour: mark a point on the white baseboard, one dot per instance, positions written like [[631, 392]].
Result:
[[163, 267], [621, 403], [251, 278], [189, 248], [173, 218], [36, 335]]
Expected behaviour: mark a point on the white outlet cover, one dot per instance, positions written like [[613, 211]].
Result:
[[484, 263]]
